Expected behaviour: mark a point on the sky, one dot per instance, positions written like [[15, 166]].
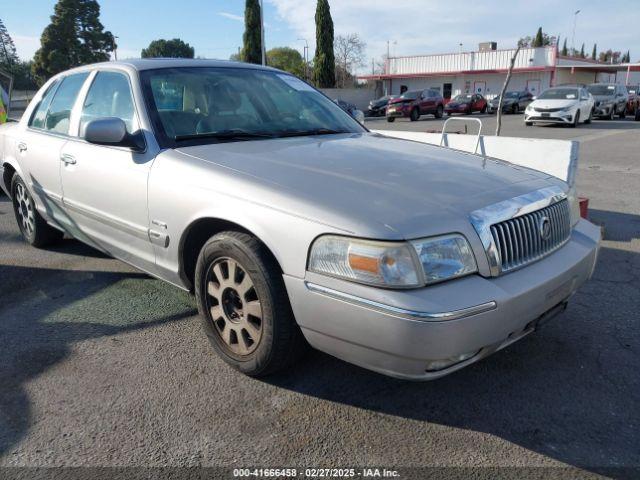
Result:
[[214, 27]]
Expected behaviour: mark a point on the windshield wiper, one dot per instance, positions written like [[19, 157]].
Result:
[[315, 131], [233, 134]]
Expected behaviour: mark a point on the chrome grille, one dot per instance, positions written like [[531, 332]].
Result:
[[520, 241]]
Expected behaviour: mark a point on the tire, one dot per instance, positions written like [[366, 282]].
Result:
[[528, 124], [34, 229], [415, 115], [623, 114], [514, 108], [637, 115], [468, 111], [391, 119], [588, 120], [257, 340], [576, 120], [611, 114], [484, 109], [439, 111]]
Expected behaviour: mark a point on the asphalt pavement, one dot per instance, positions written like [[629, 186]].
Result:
[[103, 366]]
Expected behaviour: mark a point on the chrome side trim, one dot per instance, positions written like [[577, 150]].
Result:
[[483, 218], [401, 312], [126, 227]]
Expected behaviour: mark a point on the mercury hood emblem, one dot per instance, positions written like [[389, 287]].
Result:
[[544, 228]]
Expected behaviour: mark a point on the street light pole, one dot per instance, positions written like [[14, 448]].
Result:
[[573, 36], [262, 33], [305, 56], [115, 47]]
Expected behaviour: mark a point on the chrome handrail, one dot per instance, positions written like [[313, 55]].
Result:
[[452, 119]]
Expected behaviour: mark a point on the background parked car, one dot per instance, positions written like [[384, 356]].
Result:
[[378, 107], [610, 100], [514, 102], [415, 103], [633, 102], [466, 103], [563, 105]]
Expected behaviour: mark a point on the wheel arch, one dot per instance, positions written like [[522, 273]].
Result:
[[196, 235]]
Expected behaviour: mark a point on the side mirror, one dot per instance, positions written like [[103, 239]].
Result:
[[112, 131]]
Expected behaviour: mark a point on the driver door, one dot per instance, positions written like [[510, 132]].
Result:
[[105, 187]]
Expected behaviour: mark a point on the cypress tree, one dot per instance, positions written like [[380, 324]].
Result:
[[565, 52], [538, 41], [252, 38], [594, 52], [74, 37], [324, 66], [582, 55]]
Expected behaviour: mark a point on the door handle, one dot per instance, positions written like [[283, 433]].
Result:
[[68, 159], [22, 147]]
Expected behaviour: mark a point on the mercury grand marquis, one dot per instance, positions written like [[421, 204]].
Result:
[[291, 223]]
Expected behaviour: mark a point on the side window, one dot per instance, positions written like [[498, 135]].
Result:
[[108, 96], [59, 113], [40, 113]]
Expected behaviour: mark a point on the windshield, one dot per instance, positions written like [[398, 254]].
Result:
[[229, 104], [411, 95], [462, 98], [601, 89], [512, 95], [559, 94]]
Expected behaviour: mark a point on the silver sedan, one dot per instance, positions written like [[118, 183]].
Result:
[[289, 221]]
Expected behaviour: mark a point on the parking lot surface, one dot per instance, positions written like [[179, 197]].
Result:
[[101, 365]]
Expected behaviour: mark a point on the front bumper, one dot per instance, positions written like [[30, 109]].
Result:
[[549, 117], [473, 316], [398, 112], [603, 110]]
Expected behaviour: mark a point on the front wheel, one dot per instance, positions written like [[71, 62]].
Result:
[[623, 113], [439, 111], [244, 305], [34, 229], [484, 109], [415, 115], [391, 119], [588, 120], [528, 124], [576, 120]]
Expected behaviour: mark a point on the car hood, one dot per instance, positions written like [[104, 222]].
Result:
[[553, 103], [369, 184]]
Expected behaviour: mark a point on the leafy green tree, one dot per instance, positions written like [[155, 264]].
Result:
[[174, 48], [287, 59], [8, 54], [538, 41], [74, 37], [252, 37], [564, 52], [324, 61], [594, 52]]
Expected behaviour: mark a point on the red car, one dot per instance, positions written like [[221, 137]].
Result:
[[415, 103], [633, 104], [466, 103]]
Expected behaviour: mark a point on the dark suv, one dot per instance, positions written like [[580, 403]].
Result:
[[610, 100], [415, 103]]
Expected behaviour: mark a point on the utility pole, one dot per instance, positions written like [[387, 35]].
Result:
[[264, 62], [115, 48], [305, 56], [573, 36]]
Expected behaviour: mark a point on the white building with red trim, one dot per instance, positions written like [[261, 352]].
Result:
[[484, 71]]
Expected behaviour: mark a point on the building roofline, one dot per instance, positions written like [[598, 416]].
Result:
[[384, 76]]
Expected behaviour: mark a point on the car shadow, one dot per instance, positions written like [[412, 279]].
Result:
[[570, 391], [43, 312]]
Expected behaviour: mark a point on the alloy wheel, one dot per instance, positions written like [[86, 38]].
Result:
[[234, 306], [24, 209]]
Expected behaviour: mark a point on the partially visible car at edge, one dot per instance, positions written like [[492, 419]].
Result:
[[414, 103], [289, 221], [514, 102], [564, 105], [610, 100], [633, 102], [466, 103], [378, 107]]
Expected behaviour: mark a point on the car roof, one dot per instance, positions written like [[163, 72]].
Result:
[[141, 64]]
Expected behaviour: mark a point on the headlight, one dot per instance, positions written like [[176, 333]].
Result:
[[393, 264], [445, 257], [529, 108], [574, 206], [385, 264]]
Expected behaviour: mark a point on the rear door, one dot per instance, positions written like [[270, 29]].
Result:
[[105, 187], [40, 144]]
